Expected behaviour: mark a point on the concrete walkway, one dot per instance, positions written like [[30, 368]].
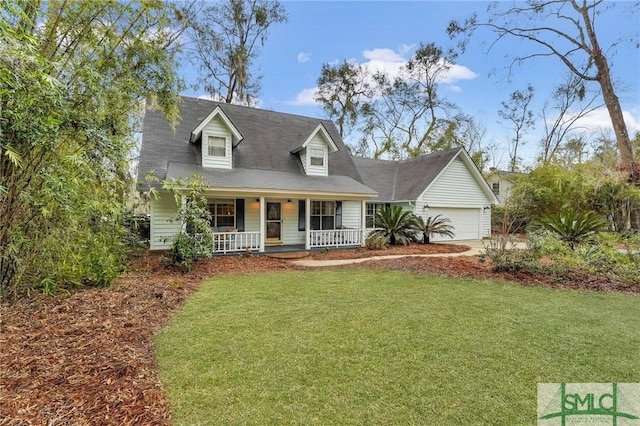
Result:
[[475, 247]]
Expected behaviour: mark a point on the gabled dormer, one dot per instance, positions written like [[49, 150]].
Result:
[[314, 152], [218, 136]]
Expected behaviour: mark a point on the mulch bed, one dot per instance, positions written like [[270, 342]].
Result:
[[87, 358]]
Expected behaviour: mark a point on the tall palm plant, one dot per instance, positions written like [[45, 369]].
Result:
[[396, 224], [434, 225]]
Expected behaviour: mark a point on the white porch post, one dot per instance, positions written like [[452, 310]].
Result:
[[363, 222], [263, 229], [307, 222]]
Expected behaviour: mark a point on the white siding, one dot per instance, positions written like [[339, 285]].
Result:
[[486, 223], [163, 211], [303, 160], [216, 127], [251, 215], [457, 190], [316, 143], [290, 233], [455, 187], [351, 214]]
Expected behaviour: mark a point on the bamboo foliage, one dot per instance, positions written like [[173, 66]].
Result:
[[73, 73]]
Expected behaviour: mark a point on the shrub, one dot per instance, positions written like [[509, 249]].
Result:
[[396, 224], [548, 256], [136, 232], [505, 257], [572, 227], [376, 242], [183, 252], [195, 241]]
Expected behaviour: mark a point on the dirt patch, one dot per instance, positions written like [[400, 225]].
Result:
[[87, 358]]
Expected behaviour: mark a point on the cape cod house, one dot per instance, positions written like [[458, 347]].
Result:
[[285, 180]]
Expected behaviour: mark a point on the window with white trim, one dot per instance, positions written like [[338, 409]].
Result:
[[372, 210], [223, 213], [495, 187], [317, 157], [323, 215], [217, 146]]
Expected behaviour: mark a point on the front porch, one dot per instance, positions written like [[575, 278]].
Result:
[[259, 223], [238, 242]]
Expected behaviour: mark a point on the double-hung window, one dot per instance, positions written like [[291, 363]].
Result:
[[372, 210], [323, 215], [217, 146], [495, 187], [223, 213]]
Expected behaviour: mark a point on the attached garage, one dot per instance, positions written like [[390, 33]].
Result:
[[466, 221], [444, 182]]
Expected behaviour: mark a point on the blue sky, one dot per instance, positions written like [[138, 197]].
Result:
[[387, 33]]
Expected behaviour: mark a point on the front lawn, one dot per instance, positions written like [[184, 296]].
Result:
[[357, 346]]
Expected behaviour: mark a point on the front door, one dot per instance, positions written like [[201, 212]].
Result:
[[274, 223]]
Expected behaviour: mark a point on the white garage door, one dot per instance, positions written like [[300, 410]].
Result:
[[465, 221]]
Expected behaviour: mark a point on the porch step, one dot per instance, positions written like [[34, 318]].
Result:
[[289, 255]]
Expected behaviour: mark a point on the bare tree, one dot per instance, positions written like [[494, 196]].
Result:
[[565, 29], [223, 42], [406, 113], [571, 152], [516, 111], [564, 98], [342, 91]]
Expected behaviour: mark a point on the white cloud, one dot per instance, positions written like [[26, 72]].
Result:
[[406, 48], [457, 73], [391, 62], [383, 55], [599, 119], [304, 57], [304, 98]]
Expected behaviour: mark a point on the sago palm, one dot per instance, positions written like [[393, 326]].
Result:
[[572, 227], [396, 224], [434, 225]]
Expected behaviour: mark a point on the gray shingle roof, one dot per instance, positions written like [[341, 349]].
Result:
[[270, 180], [263, 158], [403, 180]]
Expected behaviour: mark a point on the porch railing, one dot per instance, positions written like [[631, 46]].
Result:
[[335, 238], [228, 242]]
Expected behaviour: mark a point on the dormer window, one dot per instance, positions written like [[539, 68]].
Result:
[[314, 152], [217, 136], [317, 157], [217, 146]]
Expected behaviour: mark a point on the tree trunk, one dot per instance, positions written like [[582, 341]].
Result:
[[425, 237], [611, 101]]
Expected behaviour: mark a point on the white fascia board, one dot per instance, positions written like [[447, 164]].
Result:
[[217, 111], [330, 143]]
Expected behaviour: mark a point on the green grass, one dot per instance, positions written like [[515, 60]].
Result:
[[379, 347]]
